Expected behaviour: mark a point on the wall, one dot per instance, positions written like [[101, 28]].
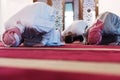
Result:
[[9, 8], [0, 14], [109, 5]]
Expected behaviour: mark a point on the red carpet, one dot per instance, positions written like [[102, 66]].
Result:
[[71, 52], [67, 52], [26, 74], [86, 55]]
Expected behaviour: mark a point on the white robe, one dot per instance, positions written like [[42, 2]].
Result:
[[77, 27], [39, 16]]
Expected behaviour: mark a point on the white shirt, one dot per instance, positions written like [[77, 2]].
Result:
[[77, 27]]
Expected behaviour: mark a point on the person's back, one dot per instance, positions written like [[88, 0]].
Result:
[[31, 15], [111, 22]]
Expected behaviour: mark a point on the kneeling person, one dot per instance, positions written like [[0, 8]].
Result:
[[34, 25], [75, 31], [105, 31]]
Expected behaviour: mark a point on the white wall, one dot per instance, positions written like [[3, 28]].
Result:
[[9, 8], [0, 11], [109, 5]]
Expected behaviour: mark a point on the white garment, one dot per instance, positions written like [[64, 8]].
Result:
[[39, 16], [55, 39], [52, 38], [77, 27]]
